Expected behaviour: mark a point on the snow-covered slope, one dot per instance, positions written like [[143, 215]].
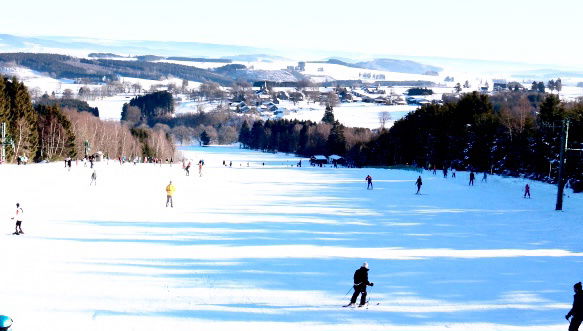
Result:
[[274, 247]]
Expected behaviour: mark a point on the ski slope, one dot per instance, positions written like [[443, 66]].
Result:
[[274, 247]]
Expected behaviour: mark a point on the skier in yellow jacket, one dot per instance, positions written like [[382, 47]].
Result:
[[169, 192]]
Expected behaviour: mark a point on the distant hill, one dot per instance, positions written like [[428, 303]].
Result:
[[63, 66], [105, 56], [198, 59], [77, 46], [256, 58], [404, 66]]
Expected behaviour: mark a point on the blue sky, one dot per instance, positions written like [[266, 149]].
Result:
[[515, 30]]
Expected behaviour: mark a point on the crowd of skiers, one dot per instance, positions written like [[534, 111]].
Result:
[[472, 178]]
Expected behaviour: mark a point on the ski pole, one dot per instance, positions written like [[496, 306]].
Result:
[[350, 289], [367, 301]]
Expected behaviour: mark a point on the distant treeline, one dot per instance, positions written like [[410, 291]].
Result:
[[63, 66], [79, 105], [104, 55], [302, 137], [419, 91], [512, 133]]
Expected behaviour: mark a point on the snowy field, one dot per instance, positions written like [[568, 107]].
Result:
[[274, 247], [358, 114]]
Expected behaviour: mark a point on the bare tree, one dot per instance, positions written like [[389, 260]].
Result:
[[134, 114], [517, 118], [329, 99], [384, 117], [182, 133]]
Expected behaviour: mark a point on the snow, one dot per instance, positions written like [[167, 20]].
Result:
[[340, 72], [274, 247], [358, 114]]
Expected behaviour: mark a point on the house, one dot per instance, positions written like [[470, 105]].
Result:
[[382, 100], [337, 159], [271, 107], [240, 107], [281, 95], [280, 112], [318, 160], [500, 84]]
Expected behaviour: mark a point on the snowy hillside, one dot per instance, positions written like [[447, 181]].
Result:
[[274, 247]]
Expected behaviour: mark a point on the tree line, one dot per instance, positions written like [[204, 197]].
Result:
[[510, 133], [45, 131]]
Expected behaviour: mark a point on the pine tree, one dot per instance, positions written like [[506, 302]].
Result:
[[257, 135], [22, 120], [328, 115], [245, 134], [3, 101], [336, 140], [204, 138]]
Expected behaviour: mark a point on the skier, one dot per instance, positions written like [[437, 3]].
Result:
[[200, 169], [577, 310], [485, 177], [452, 173], [18, 218], [472, 177], [360, 284], [169, 192], [93, 178], [445, 172], [187, 169], [527, 191], [369, 181], [419, 182]]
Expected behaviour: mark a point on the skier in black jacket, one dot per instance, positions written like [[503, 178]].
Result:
[[360, 283], [577, 310]]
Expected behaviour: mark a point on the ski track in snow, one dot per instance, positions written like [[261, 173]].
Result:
[[274, 247]]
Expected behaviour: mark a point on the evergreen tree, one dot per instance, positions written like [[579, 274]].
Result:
[[458, 88], [534, 86], [22, 120], [551, 111], [303, 139], [3, 101], [336, 140], [245, 134], [205, 139], [257, 135], [328, 115], [551, 85], [558, 85]]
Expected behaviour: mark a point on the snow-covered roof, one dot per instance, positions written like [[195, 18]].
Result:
[[319, 157], [335, 157]]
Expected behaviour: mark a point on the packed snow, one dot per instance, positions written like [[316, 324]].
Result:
[[266, 245]]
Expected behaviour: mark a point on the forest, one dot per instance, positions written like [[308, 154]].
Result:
[[47, 131]]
